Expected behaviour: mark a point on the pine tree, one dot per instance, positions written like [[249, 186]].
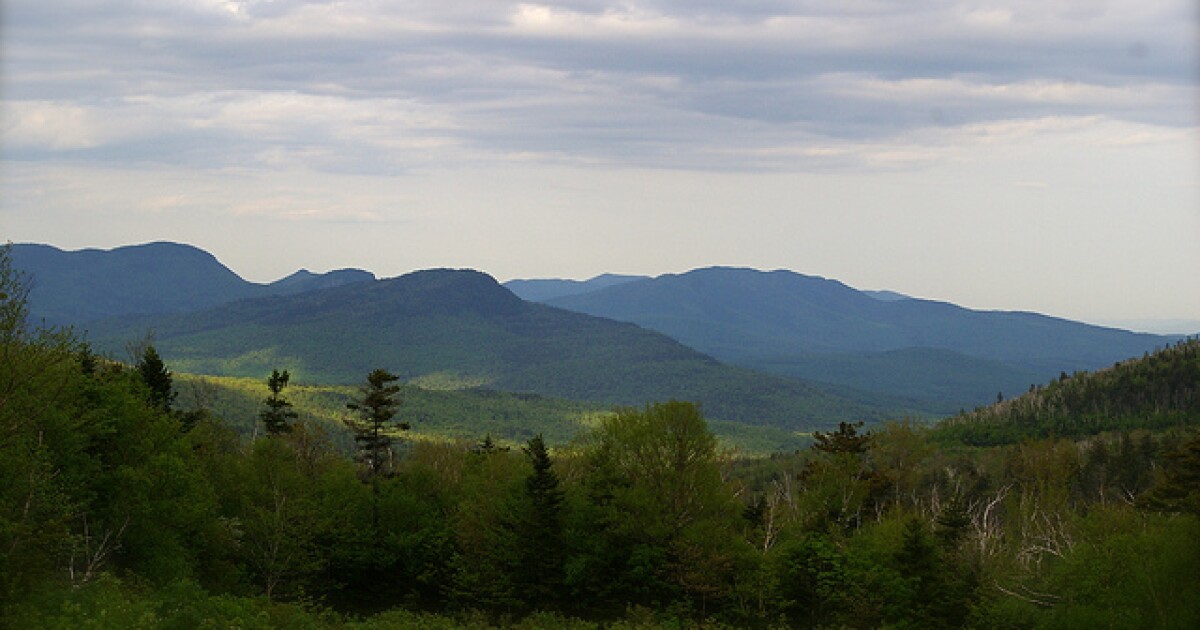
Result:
[[278, 412], [157, 377], [846, 439], [952, 522], [542, 549], [376, 408]]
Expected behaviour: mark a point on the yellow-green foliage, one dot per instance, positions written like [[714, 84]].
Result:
[[445, 408]]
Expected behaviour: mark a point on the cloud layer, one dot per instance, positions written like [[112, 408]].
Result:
[[393, 86]]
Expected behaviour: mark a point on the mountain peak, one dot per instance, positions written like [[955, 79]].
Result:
[[450, 291], [304, 280]]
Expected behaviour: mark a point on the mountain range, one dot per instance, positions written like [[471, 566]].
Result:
[[462, 326], [541, 290], [76, 287], [774, 348], [943, 355]]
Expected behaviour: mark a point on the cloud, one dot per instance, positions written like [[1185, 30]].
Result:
[[49, 125], [391, 87]]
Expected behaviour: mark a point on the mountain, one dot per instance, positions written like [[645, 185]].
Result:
[[887, 296], [942, 381], [811, 326], [462, 325], [543, 290], [1157, 391], [75, 287], [305, 280]]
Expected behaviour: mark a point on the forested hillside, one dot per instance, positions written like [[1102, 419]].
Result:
[[1157, 391], [119, 509], [465, 325], [820, 329]]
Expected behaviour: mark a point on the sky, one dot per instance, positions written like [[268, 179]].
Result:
[[1038, 155]]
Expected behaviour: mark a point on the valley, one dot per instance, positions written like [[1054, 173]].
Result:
[[141, 495]]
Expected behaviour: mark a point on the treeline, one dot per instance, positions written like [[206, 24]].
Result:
[[118, 510], [1158, 391]]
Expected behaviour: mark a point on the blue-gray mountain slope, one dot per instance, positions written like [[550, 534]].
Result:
[[818, 328], [76, 287], [539, 290], [462, 325]]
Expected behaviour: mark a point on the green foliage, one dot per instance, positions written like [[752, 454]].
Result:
[[541, 568], [376, 407], [1178, 488], [278, 412], [846, 440], [668, 522], [157, 378], [453, 414], [1158, 391]]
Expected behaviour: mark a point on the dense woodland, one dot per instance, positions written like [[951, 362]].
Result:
[[1160, 391], [119, 509]]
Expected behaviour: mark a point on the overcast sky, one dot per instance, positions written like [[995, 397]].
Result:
[[1033, 154]]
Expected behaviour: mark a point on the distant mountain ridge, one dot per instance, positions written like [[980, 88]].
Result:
[[880, 348], [305, 280], [462, 324], [813, 327], [76, 287], [543, 290]]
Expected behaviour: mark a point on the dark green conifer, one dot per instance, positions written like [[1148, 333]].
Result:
[[1178, 489], [87, 359], [542, 550], [845, 440], [376, 408], [952, 522], [157, 378], [278, 412]]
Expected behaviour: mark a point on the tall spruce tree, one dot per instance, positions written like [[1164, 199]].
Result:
[[543, 554], [278, 412], [157, 378], [377, 407]]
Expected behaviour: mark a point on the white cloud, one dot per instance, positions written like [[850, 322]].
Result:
[[50, 126]]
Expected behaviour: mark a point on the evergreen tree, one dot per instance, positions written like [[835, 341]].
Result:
[[376, 408], [87, 359], [278, 411], [1178, 489], [846, 439], [920, 564], [157, 378], [952, 522], [542, 550], [488, 446]]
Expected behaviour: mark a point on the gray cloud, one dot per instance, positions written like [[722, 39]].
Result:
[[388, 87]]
